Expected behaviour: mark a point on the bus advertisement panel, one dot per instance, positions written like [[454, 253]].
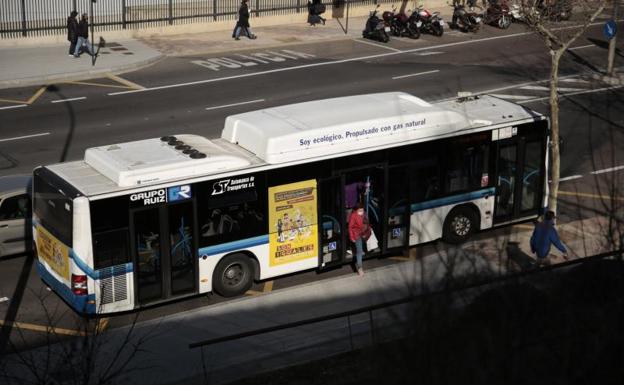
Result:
[[53, 252], [293, 223]]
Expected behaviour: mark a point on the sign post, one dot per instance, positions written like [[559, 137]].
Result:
[[610, 32]]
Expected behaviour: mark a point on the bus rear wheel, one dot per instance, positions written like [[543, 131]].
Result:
[[233, 275], [459, 225]]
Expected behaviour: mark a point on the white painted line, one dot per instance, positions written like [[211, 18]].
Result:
[[418, 74], [11, 107], [69, 100], [342, 61], [610, 169], [571, 177], [377, 45], [24, 137], [512, 97], [572, 94], [235, 104], [4, 299], [572, 80], [429, 53], [581, 47], [542, 88]]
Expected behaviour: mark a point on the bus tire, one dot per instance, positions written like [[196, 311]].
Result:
[[233, 275], [459, 225]]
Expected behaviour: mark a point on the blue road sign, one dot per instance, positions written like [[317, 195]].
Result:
[[610, 29]]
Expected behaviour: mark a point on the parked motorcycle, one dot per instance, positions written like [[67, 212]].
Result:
[[555, 10], [465, 20], [431, 22], [376, 28], [498, 14], [400, 24]]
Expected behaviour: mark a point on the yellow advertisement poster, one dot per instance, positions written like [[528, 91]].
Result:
[[292, 222], [53, 252]]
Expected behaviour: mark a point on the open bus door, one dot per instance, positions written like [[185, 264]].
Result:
[[332, 238], [520, 168]]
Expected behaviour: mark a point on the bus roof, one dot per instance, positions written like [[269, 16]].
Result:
[[287, 134]]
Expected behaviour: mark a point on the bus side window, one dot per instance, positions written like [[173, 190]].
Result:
[[425, 181], [465, 168], [109, 223]]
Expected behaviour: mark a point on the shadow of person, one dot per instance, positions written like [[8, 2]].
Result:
[[520, 258]]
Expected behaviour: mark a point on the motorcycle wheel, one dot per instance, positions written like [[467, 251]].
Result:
[[504, 22], [413, 31], [437, 29], [384, 37]]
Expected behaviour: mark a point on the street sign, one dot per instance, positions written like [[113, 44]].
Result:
[[610, 29]]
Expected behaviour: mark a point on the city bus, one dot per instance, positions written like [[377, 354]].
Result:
[[139, 223]]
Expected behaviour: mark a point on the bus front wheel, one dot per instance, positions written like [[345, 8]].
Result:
[[459, 225], [233, 275]]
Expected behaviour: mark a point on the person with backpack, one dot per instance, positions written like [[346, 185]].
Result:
[[243, 22], [72, 32], [543, 236], [315, 10]]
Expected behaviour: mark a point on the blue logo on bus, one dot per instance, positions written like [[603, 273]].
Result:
[[332, 246], [179, 193], [396, 232]]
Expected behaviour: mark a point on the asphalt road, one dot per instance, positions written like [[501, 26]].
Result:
[[195, 94]]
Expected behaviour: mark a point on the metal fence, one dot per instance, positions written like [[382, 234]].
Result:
[[20, 18]]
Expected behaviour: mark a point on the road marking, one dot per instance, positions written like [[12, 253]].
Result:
[[69, 100], [41, 328], [429, 53], [572, 80], [512, 97], [570, 178], [235, 104], [97, 85], [586, 195], [32, 99], [11, 107], [24, 137], [610, 169], [542, 88], [572, 94], [268, 287], [4, 299], [377, 45], [581, 47], [342, 61], [416, 74], [125, 82]]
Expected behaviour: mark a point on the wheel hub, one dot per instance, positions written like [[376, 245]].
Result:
[[461, 225]]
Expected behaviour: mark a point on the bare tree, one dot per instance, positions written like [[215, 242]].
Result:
[[542, 16]]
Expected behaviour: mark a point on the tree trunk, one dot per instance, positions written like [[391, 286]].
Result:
[[554, 129]]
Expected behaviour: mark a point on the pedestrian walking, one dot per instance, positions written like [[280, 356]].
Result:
[[543, 236], [72, 32], [83, 36], [359, 231], [243, 22], [315, 10]]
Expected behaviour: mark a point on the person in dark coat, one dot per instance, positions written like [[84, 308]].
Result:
[[72, 32], [315, 9], [543, 236], [243, 22], [83, 36]]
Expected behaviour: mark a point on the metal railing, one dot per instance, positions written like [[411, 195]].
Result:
[[402, 301], [23, 18]]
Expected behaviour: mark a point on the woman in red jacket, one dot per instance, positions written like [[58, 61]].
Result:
[[358, 228]]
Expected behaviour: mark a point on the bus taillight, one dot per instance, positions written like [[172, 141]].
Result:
[[79, 284]]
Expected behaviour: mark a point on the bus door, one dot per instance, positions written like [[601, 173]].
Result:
[[331, 222], [399, 209], [519, 178], [164, 251]]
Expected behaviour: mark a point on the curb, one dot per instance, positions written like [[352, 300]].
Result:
[[91, 74]]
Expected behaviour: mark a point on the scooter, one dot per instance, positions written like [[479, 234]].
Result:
[[464, 20], [431, 22], [376, 28], [497, 14]]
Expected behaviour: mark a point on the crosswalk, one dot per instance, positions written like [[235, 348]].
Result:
[[568, 86]]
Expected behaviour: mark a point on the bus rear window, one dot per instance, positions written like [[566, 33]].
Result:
[[53, 209]]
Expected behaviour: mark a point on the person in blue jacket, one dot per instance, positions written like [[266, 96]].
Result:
[[543, 236]]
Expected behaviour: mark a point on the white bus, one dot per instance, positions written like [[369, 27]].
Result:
[[138, 223]]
